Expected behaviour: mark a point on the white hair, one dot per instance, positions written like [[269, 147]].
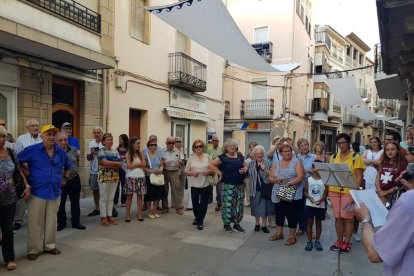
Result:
[[258, 148], [99, 128], [28, 122]]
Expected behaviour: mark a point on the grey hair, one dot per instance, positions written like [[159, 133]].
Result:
[[301, 141], [3, 131], [98, 127], [257, 148], [31, 120], [228, 142]]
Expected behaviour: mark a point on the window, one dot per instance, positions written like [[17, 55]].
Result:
[[139, 21], [261, 34], [182, 43], [259, 88], [348, 51]]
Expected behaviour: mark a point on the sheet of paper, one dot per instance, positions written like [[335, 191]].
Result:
[[373, 203]]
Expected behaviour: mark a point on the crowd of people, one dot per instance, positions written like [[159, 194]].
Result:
[[281, 185]]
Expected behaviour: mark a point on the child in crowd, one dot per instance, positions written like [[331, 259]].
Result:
[[316, 194]]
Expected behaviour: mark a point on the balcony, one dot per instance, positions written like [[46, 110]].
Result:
[[187, 73], [322, 37], [336, 108], [349, 120], [378, 124], [265, 50], [363, 93], [257, 109], [226, 110], [72, 11], [383, 103], [369, 98]]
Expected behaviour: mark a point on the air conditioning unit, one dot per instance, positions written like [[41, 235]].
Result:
[[265, 50]]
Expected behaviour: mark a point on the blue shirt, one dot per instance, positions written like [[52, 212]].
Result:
[[45, 172], [73, 142], [230, 168], [307, 162]]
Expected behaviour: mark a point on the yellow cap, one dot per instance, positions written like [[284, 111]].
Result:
[[49, 127]]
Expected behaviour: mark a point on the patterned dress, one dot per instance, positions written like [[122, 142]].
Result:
[[135, 179], [233, 189]]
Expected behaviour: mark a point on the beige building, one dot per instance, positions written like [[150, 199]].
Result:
[[51, 56], [334, 53], [163, 83], [262, 105]]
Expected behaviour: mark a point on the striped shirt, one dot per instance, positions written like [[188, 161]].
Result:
[[26, 140]]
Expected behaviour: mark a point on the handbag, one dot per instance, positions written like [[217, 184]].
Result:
[[157, 180], [213, 179], [17, 177], [286, 193]]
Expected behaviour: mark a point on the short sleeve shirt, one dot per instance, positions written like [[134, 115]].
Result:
[[354, 162], [172, 159]]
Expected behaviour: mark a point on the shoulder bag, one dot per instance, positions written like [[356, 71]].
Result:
[[17, 178], [157, 180], [285, 193]]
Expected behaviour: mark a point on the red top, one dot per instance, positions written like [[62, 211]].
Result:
[[388, 174]]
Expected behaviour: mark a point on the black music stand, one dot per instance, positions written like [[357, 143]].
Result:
[[337, 175]]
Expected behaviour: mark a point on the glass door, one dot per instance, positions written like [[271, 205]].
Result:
[[182, 129]]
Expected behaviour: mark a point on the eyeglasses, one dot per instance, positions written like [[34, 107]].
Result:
[[199, 147], [178, 141], [2, 124], [153, 145], [287, 151], [341, 143], [170, 143]]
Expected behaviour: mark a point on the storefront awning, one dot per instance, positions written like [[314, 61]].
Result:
[[209, 23], [187, 114]]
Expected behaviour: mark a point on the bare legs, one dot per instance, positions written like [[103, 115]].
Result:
[[344, 228], [139, 206]]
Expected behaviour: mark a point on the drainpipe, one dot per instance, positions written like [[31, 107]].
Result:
[[105, 101]]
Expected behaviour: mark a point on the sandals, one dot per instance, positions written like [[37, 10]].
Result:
[[276, 237], [290, 241], [11, 265]]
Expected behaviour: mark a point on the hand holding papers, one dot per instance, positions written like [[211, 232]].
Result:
[[375, 206], [339, 175]]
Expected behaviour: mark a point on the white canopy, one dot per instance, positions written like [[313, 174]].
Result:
[[209, 23], [345, 91], [364, 114]]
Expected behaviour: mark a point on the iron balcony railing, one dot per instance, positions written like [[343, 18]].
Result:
[[226, 109], [187, 72], [383, 103], [336, 108], [317, 105], [257, 109], [72, 11], [265, 50], [349, 120]]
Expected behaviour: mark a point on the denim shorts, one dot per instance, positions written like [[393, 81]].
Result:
[[93, 182]]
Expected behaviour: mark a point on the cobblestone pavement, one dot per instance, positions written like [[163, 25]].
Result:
[[171, 245]]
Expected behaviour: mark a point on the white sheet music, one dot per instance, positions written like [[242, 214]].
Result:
[[373, 203], [339, 175]]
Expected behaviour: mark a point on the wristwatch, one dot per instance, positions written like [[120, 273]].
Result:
[[364, 221]]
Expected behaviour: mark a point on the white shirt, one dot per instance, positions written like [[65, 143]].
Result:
[[200, 166], [135, 172], [94, 162], [316, 189], [26, 140]]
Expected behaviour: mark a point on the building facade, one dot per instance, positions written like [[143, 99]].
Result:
[[163, 83], [260, 106], [52, 58]]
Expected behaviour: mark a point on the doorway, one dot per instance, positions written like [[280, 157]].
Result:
[[65, 103], [134, 123], [182, 129]]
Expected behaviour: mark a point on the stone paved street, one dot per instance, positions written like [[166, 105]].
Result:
[[172, 246]]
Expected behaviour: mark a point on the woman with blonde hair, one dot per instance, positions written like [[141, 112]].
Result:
[[231, 173], [108, 177], [319, 150], [197, 171]]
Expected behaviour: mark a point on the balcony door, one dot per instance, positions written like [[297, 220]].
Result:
[[259, 89]]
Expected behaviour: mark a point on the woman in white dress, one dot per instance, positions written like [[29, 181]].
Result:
[[372, 158]]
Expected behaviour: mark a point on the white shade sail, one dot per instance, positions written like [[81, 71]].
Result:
[[209, 23], [364, 113], [345, 91]]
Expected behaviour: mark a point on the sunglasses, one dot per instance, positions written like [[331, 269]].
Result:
[[153, 145], [178, 141], [2, 124], [170, 143], [199, 147]]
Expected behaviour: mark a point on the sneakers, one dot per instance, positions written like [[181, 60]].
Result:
[[346, 247], [104, 221], [238, 228], [265, 230], [257, 228], [356, 238], [94, 213], [336, 246], [309, 246], [318, 245], [228, 228]]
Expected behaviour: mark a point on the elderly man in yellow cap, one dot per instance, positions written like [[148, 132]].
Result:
[[49, 169]]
